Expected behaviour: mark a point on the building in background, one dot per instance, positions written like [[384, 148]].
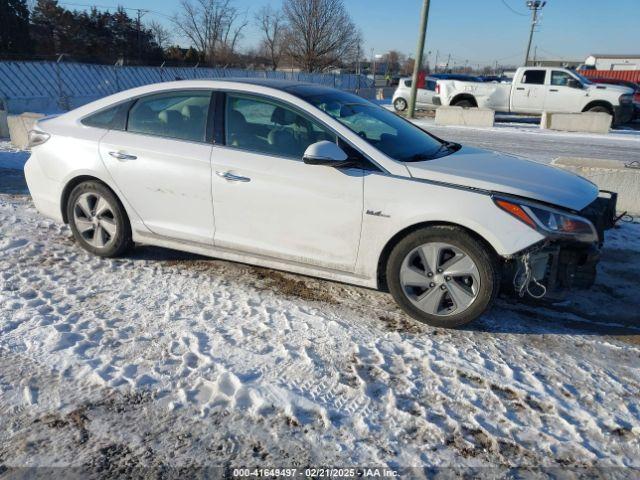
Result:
[[612, 62]]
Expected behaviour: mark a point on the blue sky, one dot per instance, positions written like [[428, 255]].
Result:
[[480, 31]]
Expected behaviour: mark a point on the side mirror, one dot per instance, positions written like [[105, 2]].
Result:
[[573, 83], [325, 153]]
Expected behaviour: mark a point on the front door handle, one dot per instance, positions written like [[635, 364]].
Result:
[[233, 178], [122, 156], [553, 89]]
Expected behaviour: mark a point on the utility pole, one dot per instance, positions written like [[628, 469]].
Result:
[[435, 65], [534, 6], [373, 66], [418, 61], [140, 12]]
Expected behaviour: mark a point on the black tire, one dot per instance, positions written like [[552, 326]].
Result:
[[604, 109], [122, 240], [484, 259], [400, 104], [464, 104]]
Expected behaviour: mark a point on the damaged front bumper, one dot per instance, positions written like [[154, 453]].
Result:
[[551, 268]]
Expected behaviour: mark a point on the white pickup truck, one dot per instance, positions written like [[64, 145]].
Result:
[[538, 89]]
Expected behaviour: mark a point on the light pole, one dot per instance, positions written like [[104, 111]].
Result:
[[534, 6], [418, 61]]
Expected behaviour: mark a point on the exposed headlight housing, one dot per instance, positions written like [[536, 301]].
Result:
[[37, 137], [549, 221]]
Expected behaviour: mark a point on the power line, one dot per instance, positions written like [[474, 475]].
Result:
[[513, 9]]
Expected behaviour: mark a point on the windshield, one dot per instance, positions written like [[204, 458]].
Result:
[[383, 129]]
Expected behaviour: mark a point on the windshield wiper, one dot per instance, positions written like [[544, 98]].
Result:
[[451, 146]]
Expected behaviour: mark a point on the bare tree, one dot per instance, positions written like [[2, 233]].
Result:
[[161, 34], [321, 33], [270, 22], [213, 26]]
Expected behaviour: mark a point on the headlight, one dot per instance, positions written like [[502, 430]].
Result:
[[549, 221], [625, 99], [36, 137]]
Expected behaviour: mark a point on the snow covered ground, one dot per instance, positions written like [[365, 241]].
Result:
[[169, 360]]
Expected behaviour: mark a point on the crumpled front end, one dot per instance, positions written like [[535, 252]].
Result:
[[554, 266]]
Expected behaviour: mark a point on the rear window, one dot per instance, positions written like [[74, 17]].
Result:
[[113, 118], [534, 77]]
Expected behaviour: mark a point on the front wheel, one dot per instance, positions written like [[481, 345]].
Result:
[[400, 104], [442, 276], [603, 109]]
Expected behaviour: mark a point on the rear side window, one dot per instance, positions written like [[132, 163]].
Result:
[[181, 115], [113, 118], [431, 85], [534, 77]]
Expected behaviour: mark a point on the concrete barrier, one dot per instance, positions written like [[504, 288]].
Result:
[[590, 122], [470, 117], [19, 126], [608, 175], [4, 126]]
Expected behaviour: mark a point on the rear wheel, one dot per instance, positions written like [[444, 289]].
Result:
[[400, 104], [464, 104], [442, 276], [98, 220]]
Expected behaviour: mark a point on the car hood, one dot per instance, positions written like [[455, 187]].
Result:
[[499, 172], [615, 89]]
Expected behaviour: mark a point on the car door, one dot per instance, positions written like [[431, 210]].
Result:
[[267, 201], [529, 91], [563, 94], [161, 163], [425, 95]]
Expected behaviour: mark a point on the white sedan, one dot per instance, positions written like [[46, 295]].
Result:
[[312, 180]]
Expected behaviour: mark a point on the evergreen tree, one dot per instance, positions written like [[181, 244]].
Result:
[[14, 27]]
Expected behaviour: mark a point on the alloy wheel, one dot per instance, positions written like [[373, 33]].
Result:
[[94, 219], [440, 279]]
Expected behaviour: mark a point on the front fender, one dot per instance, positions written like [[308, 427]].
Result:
[[393, 205]]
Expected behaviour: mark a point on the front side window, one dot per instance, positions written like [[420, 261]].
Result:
[[180, 115], [265, 126], [560, 78], [534, 77], [381, 128]]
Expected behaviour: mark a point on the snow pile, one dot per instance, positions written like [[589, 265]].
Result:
[[165, 358]]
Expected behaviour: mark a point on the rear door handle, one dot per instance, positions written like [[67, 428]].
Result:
[[519, 88], [553, 89], [122, 156], [232, 178]]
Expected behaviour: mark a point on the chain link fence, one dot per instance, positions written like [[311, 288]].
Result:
[[51, 87]]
